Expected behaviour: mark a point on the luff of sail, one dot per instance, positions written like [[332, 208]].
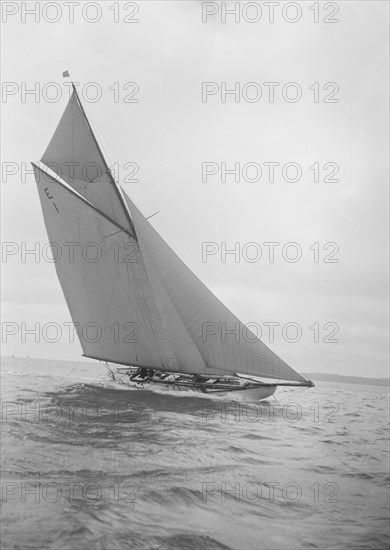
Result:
[[155, 297]]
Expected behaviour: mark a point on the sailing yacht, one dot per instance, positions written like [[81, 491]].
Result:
[[135, 305]]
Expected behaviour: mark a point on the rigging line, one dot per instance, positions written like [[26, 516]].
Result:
[[103, 132], [109, 138], [151, 216], [111, 373], [114, 183], [115, 147]]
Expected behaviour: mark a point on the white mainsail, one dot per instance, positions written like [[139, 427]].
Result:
[[132, 299]]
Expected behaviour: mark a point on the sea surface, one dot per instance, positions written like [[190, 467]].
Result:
[[88, 464]]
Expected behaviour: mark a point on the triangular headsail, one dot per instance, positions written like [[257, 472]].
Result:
[[204, 316]]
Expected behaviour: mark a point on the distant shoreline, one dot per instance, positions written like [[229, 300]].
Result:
[[320, 376], [325, 377]]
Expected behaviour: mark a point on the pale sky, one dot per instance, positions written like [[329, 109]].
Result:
[[170, 132]]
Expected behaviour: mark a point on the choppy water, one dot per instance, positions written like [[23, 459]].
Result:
[[87, 464]]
